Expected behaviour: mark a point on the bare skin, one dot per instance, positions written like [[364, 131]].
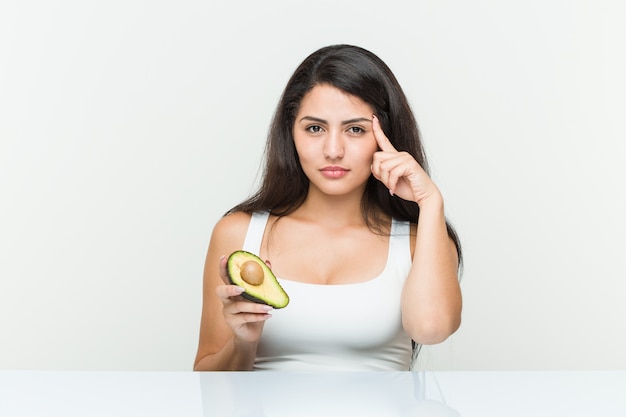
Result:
[[340, 144]]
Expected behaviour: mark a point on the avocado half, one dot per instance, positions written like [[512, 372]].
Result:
[[264, 288]]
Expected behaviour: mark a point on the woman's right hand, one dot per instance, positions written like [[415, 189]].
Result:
[[244, 317]]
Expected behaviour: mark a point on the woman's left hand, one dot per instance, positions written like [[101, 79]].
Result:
[[399, 171]]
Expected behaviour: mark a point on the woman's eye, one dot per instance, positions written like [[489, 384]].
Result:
[[314, 129], [356, 130]]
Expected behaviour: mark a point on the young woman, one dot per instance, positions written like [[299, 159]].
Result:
[[351, 224]]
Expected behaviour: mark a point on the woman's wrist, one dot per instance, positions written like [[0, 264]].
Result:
[[432, 202]]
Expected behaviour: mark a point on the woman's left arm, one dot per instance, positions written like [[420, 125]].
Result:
[[431, 298]]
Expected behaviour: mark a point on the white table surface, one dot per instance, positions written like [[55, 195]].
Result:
[[223, 394]]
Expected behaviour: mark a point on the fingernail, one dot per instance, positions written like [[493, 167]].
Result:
[[267, 309], [239, 289], [391, 193]]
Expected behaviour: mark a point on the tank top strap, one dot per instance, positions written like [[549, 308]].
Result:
[[256, 229], [400, 233], [399, 258]]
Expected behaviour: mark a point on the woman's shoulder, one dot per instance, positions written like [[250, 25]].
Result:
[[237, 220], [232, 226]]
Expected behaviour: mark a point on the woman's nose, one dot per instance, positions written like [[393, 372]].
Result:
[[333, 146]]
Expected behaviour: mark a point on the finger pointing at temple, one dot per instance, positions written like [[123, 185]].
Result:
[[383, 142]]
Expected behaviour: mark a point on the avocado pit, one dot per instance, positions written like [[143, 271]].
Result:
[[252, 273]]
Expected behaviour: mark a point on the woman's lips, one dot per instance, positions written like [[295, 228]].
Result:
[[334, 171]]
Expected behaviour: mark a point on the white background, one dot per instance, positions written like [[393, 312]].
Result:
[[128, 127]]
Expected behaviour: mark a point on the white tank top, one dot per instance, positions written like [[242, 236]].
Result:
[[338, 327]]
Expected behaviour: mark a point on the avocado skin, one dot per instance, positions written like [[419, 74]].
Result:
[[241, 256]]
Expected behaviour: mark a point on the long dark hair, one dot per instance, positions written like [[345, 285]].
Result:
[[360, 73]]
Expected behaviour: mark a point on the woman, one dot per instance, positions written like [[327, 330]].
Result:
[[351, 224]]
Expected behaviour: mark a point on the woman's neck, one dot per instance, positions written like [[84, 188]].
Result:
[[335, 211]]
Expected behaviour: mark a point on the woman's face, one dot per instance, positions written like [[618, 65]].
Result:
[[334, 140]]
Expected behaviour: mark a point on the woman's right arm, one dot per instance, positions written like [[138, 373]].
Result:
[[230, 326]]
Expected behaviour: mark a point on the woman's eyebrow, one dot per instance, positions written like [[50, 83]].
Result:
[[314, 119], [357, 120], [345, 122]]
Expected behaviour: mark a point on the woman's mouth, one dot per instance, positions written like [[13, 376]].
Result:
[[334, 171]]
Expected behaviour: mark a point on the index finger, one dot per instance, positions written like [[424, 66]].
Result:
[[223, 271], [383, 142]]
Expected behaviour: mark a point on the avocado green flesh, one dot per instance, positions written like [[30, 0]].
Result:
[[268, 292]]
